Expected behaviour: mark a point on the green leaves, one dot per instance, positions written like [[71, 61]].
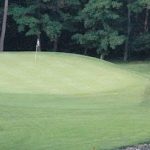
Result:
[[98, 18], [142, 42], [95, 25], [48, 16], [101, 39], [51, 28], [23, 18]]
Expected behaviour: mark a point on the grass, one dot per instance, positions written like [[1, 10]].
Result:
[[71, 102], [139, 67]]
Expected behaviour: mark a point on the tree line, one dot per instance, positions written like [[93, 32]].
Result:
[[101, 28]]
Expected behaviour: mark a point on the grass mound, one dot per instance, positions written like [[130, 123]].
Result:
[[56, 73], [63, 101]]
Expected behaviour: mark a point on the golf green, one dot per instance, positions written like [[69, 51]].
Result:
[[58, 101]]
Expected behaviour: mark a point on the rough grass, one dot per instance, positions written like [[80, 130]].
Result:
[[63, 101]]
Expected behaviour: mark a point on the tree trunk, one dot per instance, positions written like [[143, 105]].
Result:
[[146, 20], [126, 52], [38, 43], [2, 37], [55, 45], [85, 52]]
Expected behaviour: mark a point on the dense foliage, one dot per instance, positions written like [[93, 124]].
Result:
[[101, 28]]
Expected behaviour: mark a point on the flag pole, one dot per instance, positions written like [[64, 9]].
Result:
[[37, 49]]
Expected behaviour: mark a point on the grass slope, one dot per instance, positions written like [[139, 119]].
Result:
[[56, 73], [65, 101]]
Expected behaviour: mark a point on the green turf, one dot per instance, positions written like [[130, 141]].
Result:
[[71, 102]]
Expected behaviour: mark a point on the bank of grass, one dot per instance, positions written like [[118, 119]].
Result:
[[64, 101], [141, 67]]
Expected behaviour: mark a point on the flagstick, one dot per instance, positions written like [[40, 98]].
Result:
[[37, 47], [35, 56]]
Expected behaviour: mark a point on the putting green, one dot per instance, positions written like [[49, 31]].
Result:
[[57, 101], [56, 73]]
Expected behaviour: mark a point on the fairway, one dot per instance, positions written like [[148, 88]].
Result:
[[58, 101]]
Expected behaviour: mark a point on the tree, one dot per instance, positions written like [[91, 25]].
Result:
[[145, 5], [141, 36], [89, 27], [52, 30], [2, 37], [128, 31], [37, 17], [99, 18]]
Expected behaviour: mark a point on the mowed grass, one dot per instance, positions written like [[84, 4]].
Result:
[[70, 102]]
